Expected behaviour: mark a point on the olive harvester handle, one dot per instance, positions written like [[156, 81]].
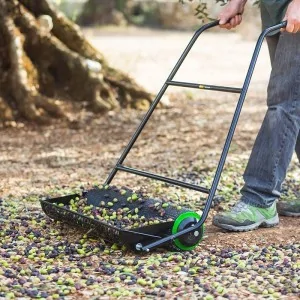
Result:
[[273, 28], [283, 24]]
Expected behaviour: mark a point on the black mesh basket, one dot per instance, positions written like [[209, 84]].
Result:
[[116, 234]]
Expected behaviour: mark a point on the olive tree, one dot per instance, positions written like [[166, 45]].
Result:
[[47, 67]]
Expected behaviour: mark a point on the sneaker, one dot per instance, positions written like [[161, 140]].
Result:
[[244, 217], [289, 208]]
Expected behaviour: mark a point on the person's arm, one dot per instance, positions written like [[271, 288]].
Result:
[[231, 15], [292, 17]]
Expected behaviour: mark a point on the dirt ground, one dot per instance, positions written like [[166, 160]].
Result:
[[182, 140], [186, 135]]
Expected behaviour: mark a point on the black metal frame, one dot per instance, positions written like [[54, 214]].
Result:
[[100, 228], [169, 82]]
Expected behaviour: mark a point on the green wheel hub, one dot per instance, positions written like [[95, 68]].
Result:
[[188, 241]]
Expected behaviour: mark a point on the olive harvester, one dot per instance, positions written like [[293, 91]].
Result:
[[171, 225]]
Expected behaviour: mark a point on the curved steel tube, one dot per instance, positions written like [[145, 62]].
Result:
[[228, 139]]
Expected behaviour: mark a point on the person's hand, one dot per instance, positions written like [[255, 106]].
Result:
[[231, 14], [292, 17]]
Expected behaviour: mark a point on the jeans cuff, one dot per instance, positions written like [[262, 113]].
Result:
[[253, 202]]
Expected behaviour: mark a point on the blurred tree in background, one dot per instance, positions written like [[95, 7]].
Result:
[[48, 68], [118, 12], [154, 13], [106, 12]]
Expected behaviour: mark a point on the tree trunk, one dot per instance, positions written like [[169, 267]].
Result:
[[48, 67]]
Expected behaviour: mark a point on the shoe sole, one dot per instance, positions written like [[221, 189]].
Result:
[[289, 214], [265, 223]]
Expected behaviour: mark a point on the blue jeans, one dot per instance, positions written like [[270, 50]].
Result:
[[279, 134]]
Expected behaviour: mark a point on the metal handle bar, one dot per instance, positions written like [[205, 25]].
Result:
[[158, 98], [229, 136]]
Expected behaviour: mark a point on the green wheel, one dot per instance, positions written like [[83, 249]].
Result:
[[188, 241]]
